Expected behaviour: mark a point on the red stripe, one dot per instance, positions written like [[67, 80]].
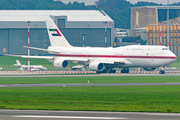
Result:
[[58, 32], [116, 56]]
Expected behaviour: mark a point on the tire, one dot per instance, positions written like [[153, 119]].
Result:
[[162, 72]]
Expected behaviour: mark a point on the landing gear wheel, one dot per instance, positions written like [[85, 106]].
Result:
[[112, 71], [161, 71], [125, 70]]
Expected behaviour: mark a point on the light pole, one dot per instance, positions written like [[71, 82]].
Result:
[[160, 33], [83, 37], [168, 24], [105, 32], [28, 47]]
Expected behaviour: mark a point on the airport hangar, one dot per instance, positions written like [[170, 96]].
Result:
[[72, 23]]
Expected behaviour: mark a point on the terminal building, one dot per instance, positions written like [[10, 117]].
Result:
[[145, 15], [150, 22], [157, 34], [72, 23]]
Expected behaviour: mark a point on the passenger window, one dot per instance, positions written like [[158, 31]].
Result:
[[164, 48]]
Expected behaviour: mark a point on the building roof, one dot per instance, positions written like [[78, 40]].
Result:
[[158, 7], [41, 15], [175, 21]]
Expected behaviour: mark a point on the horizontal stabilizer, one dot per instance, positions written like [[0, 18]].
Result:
[[54, 51]]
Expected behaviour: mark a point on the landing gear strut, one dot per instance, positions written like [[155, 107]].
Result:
[[162, 70], [125, 70]]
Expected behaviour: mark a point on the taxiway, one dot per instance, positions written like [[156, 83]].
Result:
[[83, 115]]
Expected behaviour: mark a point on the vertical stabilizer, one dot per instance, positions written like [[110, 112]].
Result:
[[18, 63], [56, 37]]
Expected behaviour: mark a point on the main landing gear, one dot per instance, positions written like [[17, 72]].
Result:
[[125, 70], [107, 71], [110, 70], [162, 71]]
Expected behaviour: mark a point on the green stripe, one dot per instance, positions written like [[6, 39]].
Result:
[[52, 30]]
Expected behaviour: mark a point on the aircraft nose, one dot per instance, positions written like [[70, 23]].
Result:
[[174, 57]]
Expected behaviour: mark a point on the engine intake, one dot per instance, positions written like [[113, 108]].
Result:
[[97, 66], [149, 69], [60, 63]]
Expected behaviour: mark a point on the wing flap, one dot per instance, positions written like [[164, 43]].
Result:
[[125, 62], [75, 59]]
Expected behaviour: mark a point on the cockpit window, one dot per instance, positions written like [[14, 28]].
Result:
[[164, 48]]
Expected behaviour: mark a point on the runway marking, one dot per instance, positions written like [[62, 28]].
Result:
[[162, 114], [70, 117]]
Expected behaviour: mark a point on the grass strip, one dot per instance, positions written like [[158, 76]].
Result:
[[97, 98], [94, 79]]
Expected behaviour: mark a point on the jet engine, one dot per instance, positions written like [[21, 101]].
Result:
[[60, 63], [149, 69], [97, 66]]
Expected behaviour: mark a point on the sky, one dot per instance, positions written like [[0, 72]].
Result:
[[91, 2]]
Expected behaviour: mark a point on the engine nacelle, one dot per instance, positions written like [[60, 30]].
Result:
[[149, 69], [60, 63], [97, 66]]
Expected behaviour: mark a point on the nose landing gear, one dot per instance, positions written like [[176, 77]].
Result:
[[162, 71]]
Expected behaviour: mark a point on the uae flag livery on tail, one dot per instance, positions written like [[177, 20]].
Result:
[[55, 32]]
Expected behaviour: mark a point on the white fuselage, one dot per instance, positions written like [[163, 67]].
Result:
[[133, 56]]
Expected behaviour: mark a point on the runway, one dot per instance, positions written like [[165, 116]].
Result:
[[83, 115]]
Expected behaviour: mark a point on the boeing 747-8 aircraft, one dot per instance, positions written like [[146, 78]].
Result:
[[104, 59]]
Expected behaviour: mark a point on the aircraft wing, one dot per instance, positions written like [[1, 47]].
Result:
[[26, 56], [50, 57], [40, 57], [53, 57]]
